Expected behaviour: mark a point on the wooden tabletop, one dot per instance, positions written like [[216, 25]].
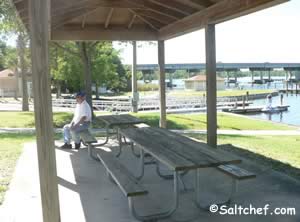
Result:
[[118, 120], [176, 151]]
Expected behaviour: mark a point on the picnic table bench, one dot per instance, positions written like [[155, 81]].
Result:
[[180, 153]]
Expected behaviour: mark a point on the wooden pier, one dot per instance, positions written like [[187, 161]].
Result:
[[256, 109]]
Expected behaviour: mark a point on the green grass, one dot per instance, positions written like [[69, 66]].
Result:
[[26, 119], [10, 149], [198, 121], [281, 153], [190, 93]]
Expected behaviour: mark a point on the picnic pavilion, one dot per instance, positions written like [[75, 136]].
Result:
[[117, 20]]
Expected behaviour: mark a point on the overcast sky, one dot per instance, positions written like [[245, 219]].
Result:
[[271, 35]]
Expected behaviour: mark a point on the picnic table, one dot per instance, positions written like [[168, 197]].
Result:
[[178, 153], [116, 122]]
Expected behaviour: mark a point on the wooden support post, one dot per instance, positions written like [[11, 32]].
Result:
[[211, 85], [39, 31], [134, 80], [162, 84]]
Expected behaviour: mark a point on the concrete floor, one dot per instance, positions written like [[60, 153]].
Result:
[[87, 195]]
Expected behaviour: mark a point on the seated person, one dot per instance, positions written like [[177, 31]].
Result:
[[81, 121]]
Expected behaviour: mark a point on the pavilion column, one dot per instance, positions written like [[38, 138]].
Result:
[[135, 96], [39, 31], [162, 84], [211, 85]]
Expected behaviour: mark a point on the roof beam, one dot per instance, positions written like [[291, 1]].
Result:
[[203, 3], [150, 23], [95, 33], [176, 6], [157, 8], [155, 16], [131, 21], [64, 13], [217, 13], [108, 18]]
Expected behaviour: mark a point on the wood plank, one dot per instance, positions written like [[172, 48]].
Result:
[[94, 33], [236, 172], [176, 6], [131, 21], [109, 18], [162, 85], [39, 26], [124, 119], [191, 149], [211, 85], [217, 13], [176, 151], [121, 175], [157, 8], [157, 150], [154, 15]]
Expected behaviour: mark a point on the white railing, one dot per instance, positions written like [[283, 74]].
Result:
[[147, 104]]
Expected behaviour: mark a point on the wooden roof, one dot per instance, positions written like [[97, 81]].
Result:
[[138, 19]]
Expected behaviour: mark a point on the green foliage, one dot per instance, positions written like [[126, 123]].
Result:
[[148, 87], [106, 67], [3, 54]]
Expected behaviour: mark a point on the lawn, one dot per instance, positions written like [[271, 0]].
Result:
[[281, 153], [187, 93], [26, 119], [225, 121], [10, 149]]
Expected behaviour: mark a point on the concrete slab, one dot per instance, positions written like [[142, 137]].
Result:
[[87, 195]]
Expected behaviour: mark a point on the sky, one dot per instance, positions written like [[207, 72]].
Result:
[[270, 35]]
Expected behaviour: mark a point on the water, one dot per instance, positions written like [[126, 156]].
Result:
[[243, 83], [292, 116]]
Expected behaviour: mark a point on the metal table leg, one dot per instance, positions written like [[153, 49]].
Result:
[[155, 217], [234, 188]]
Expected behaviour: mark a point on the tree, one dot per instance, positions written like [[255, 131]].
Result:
[[3, 53], [10, 24]]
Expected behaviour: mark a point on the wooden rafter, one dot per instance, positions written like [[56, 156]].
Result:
[[219, 12], [155, 16], [97, 32], [131, 21], [143, 4], [108, 18], [176, 6], [83, 21], [145, 20], [203, 3]]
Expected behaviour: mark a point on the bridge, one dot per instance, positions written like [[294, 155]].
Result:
[[196, 67]]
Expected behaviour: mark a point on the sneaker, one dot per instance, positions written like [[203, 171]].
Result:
[[66, 146], [77, 146]]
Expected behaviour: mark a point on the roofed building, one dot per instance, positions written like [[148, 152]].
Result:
[[198, 83]]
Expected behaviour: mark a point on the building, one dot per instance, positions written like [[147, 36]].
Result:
[[11, 85], [8, 83], [198, 83]]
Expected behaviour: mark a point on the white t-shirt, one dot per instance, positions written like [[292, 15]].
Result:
[[82, 109]]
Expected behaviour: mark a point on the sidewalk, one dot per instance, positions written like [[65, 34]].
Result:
[[87, 195]]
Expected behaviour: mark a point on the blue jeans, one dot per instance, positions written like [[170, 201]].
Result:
[[69, 133]]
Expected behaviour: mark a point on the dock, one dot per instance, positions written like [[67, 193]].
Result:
[[255, 109]]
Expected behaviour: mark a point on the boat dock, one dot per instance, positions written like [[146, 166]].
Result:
[[255, 109]]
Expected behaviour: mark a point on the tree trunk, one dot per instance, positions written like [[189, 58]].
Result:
[[21, 49], [87, 72], [97, 91], [58, 90]]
